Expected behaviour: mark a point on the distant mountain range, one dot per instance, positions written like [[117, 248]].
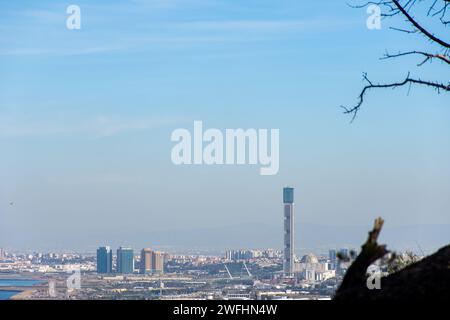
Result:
[[313, 238], [309, 237]]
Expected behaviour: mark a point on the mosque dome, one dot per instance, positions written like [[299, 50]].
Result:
[[309, 258]]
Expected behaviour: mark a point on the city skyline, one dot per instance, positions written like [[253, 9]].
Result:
[[238, 274]]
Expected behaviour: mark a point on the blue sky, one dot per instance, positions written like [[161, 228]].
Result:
[[86, 117]]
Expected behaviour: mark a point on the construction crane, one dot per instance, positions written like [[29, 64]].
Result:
[[228, 271], [248, 271], [244, 266]]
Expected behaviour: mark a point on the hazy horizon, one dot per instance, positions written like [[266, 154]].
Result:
[[86, 117]]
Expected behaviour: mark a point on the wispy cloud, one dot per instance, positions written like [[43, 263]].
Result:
[[51, 16], [262, 25], [106, 126], [171, 4], [107, 30], [59, 51], [100, 126]]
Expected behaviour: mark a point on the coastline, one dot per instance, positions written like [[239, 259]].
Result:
[[19, 287], [6, 295], [23, 295]]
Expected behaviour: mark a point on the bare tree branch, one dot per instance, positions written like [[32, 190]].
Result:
[[419, 27], [354, 110], [393, 8], [428, 56], [370, 252], [423, 279], [403, 30]]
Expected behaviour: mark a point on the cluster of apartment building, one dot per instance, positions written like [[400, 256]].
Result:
[[150, 261], [243, 254]]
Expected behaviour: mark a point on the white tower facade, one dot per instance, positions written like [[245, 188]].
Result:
[[289, 232]]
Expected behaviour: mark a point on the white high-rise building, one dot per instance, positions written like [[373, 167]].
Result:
[[289, 256]]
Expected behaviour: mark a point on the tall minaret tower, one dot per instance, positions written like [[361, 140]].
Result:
[[288, 206]]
